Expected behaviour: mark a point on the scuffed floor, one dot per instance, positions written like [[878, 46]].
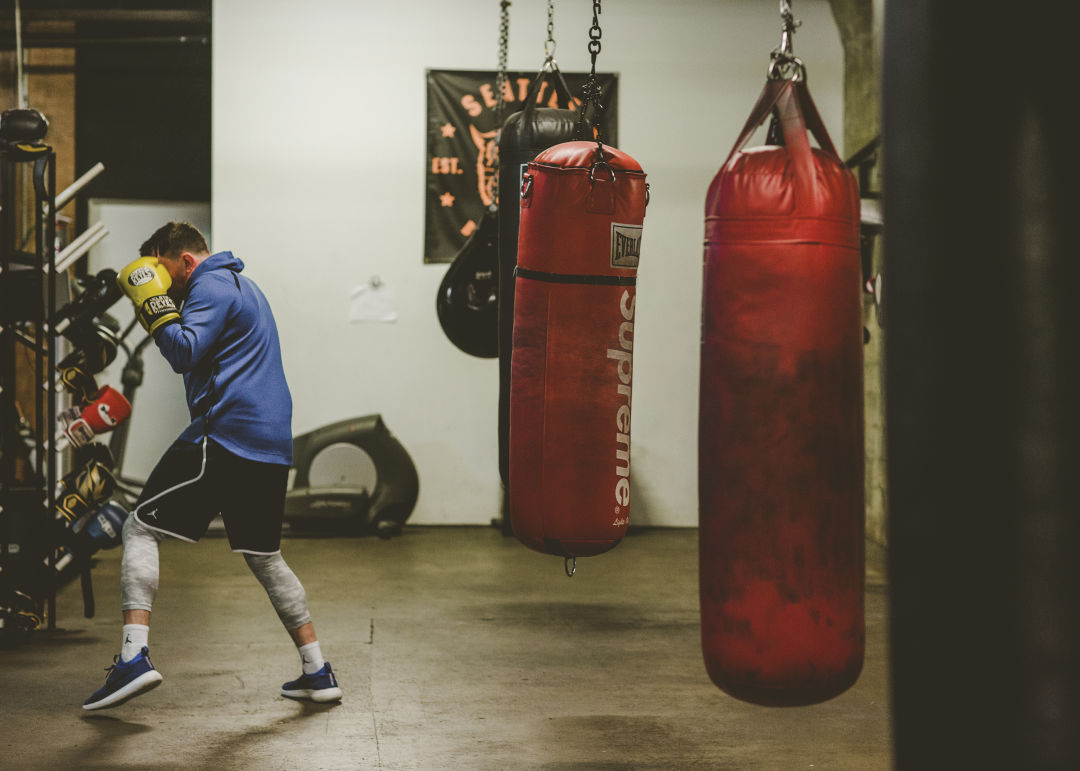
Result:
[[457, 648]]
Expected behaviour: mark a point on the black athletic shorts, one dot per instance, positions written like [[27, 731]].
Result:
[[193, 483]]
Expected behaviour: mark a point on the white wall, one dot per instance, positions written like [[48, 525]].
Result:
[[318, 184]]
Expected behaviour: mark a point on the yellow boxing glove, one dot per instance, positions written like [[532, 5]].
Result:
[[146, 283]]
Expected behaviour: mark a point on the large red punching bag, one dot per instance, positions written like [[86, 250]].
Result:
[[781, 422], [572, 363]]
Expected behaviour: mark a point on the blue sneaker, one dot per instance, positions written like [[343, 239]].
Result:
[[125, 680], [321, 686]]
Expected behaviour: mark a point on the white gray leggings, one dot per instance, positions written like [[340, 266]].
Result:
[[139, 576]]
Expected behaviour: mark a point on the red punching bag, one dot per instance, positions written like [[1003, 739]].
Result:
[[572, 362], [780, 462]]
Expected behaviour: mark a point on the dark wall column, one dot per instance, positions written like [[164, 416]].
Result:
[[981, 371]]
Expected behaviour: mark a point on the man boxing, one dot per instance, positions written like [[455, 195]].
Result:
[[232, 459]]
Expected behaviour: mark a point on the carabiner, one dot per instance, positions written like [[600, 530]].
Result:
[[592, 171]]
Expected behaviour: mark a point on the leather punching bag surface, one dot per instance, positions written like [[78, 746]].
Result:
[[524, 135], [572, 365], [781, 419]]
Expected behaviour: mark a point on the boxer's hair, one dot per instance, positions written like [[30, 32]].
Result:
[[173, 239]]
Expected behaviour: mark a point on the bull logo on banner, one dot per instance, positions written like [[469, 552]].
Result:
[[462, 154], [486, 153]]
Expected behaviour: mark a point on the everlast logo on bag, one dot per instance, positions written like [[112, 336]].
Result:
[[625, 245], [624, 358]]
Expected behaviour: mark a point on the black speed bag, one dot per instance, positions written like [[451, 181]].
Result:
[[467, 303]]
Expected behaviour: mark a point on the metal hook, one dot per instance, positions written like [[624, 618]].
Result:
[[785, 50], [791, 68], [592, 171], [784, 64], [570, 568], [780, 67], [787, 15], [549, 43], [785, 42], [550, 65]]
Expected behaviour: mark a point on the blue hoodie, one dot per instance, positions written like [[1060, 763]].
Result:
[[226, 346]]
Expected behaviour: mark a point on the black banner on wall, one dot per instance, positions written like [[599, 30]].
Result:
[[461, 144]]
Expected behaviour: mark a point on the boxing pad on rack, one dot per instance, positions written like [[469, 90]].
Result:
[[780, 422], [100, 529], [95, 341], [524, 135], [19, 125], [82, 489], [572, 368], [99, 293], [82, 423]]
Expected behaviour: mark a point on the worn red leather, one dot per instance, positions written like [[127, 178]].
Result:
[[572, 365], [780, 456]]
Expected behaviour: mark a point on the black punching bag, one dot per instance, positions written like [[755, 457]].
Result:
[[525, 135]]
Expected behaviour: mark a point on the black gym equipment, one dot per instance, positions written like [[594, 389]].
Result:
[[20, 615], [351, 477], [467, 304], [28, 294], [41, 548], [21, 126], [468, 300]]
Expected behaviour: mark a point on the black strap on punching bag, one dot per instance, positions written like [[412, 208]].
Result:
[[524, 136]]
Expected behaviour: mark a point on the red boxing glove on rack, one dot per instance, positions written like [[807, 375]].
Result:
[[108, 410]]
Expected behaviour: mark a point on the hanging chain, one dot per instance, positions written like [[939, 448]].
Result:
[[549, 44], [500, 78], [784, 64], [595, 33], [500, 99], [591, 91]]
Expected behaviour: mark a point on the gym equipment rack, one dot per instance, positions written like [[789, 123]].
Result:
[[28, 286]]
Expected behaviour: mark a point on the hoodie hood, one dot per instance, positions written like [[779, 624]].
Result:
[[219, 261]]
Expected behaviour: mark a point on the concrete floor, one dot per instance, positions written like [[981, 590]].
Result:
[[457, 648]]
